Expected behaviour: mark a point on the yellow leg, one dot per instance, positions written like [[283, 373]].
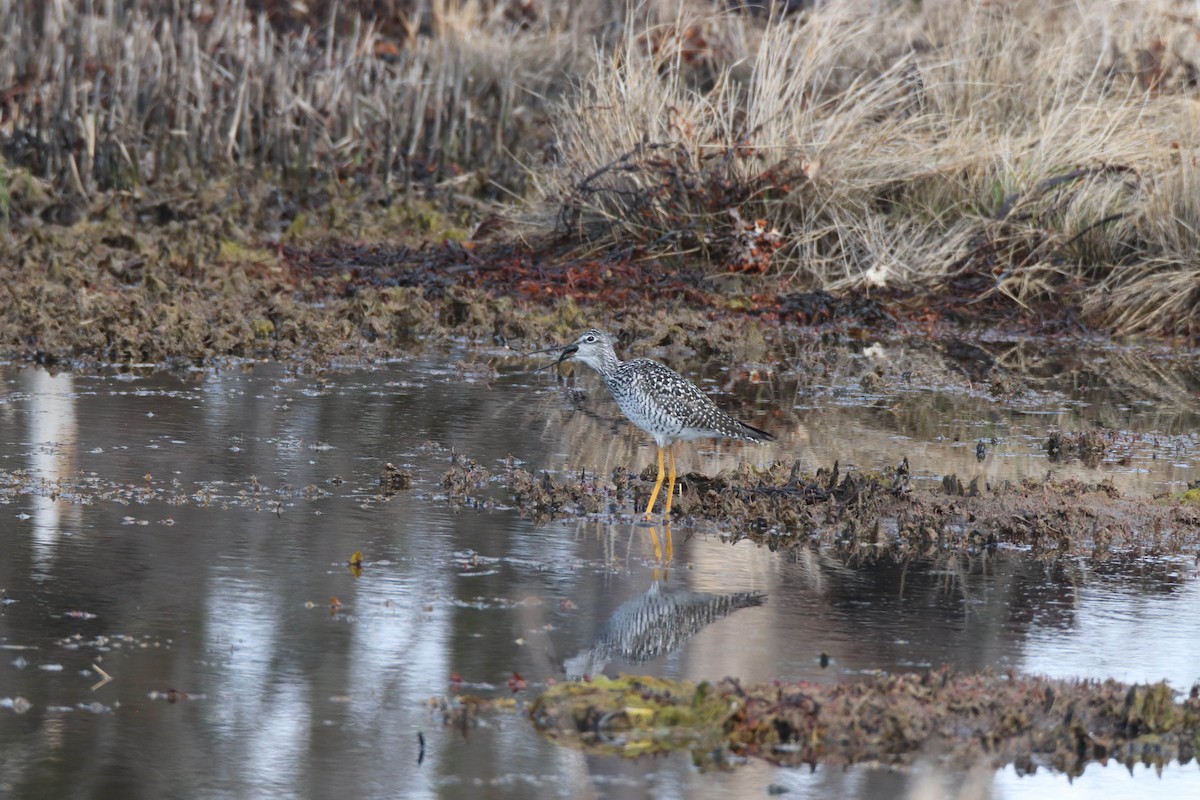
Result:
[[671, 484], [670, 544], [657, 486]]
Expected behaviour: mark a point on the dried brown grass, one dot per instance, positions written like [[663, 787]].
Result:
[[1040, 152], [1028, 151]]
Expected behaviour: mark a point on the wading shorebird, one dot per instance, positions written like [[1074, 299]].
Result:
[[658, 400]]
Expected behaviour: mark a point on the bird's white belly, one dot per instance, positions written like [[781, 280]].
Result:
[[657, 424], [691, 434], [665, 428]]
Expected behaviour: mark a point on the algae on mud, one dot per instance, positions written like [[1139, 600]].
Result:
[[213, 284], [891, 720], [632, 715]]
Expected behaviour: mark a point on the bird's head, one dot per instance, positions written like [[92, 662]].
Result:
[[593, 347]]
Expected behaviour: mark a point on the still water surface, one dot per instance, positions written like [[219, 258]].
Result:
[[206, 518]]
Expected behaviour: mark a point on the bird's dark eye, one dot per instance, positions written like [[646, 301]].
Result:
[[590, 338]]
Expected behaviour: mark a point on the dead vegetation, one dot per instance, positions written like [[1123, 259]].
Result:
[[959, 719], [864, 515], [1024, 158], [1020, 151], [1088, 446]]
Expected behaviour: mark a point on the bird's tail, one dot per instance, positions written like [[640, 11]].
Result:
[[755, 434]]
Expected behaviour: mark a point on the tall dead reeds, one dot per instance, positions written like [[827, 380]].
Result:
[[97, 96]]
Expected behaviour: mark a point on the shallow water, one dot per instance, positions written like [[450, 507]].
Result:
[[195, 547]]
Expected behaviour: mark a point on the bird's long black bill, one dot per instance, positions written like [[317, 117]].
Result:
[[567, 352], [553, 349]]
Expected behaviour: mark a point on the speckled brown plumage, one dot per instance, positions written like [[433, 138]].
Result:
[[658, 400]]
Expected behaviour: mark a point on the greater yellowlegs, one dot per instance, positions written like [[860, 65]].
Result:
[[658, 400]]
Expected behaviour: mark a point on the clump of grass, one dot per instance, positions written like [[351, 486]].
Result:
[[1026, 151]]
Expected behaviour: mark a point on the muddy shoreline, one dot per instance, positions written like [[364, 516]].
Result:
[[235, 270], [863, 515]]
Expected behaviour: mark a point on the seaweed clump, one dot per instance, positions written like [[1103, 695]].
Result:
[[965, 719]]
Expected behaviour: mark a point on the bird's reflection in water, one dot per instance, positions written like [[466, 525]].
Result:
[[656, 622]]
